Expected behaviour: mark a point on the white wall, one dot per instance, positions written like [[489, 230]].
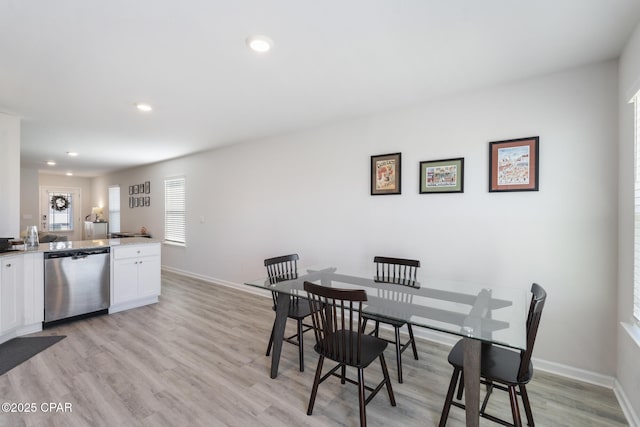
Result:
[[29, 198], [628, 371], [308, 192], [10, 178]]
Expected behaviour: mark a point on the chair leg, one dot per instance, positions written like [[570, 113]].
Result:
[[375, 330], [527, 406], [460, 386], [364, 325], [271, 339], [486, 397], [361, 398], [515, 410], [316, 382], [300, 345], [387, 380], [343, 374], [398, 354], [449, 398], [413, 342]]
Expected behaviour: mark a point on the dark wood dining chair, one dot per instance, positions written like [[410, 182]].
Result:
[[501, 368], [279, 269], [337, 323], [395, 271]]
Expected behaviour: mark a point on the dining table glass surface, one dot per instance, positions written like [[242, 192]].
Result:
[[463, 308]]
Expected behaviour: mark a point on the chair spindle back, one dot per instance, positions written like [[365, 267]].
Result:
[[281, 268], [538, 298], [397, 270], [337, 321]]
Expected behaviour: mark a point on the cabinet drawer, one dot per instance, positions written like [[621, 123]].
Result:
[[134, 251]]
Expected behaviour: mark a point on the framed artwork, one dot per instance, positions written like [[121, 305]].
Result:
[[141, 187], [386, 174], [130, 189], [131, 201], [147, 201], [140, 201], [135, 202], [147, 187], [442, 176], [135, 189], [513, 165]]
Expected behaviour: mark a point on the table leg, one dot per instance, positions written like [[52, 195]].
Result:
[[282, 311], [472, 354]]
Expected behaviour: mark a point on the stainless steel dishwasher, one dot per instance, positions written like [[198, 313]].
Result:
[[76, 282]]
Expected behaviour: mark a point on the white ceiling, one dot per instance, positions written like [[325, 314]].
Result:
[[73, 69]]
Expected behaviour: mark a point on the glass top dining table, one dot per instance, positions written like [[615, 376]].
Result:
[[476, 312]]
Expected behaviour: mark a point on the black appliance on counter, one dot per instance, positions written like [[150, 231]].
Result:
[[5, 245]]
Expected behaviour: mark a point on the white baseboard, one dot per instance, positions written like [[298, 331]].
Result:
[[213, 280], [133, 304], [632, 418], [574, 373], [29, 329], [448, 339]]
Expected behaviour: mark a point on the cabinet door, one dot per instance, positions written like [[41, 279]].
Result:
[[149, 276], [125, 280], [10, 295], [33, 288]]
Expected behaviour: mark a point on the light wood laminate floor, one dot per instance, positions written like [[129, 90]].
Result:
[[197, 359]]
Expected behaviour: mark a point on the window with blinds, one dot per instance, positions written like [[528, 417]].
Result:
[[61, 211], [174, 210], [636, 243], [114, 209]]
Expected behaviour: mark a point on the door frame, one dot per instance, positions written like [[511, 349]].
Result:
[[43, 209]]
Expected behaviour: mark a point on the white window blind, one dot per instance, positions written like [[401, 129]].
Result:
[[636, 243], [114, 209], [174, 210]]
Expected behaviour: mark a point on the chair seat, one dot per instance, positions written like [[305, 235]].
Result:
[[379, 318], [498, 364], [299, 310], [370, 350]]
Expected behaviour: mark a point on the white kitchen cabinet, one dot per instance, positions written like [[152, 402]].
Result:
[[96, 230], [11, 293], [33, 291], [135, 276]]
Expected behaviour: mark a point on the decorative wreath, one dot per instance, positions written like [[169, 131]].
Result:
[[59, 203]]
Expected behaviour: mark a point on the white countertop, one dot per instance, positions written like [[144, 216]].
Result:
[[85, 244]]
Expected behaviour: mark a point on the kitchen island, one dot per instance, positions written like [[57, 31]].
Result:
[[134, 280]]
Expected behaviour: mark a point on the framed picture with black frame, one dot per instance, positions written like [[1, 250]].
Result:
[[442, 176], [386, 174], [514, 165]]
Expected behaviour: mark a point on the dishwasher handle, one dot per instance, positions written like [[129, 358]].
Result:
[[76, 254]]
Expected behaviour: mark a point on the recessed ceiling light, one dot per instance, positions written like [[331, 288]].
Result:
[[69, 173], [259, 43], [51, 163], [72, 153], [144, 107]]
